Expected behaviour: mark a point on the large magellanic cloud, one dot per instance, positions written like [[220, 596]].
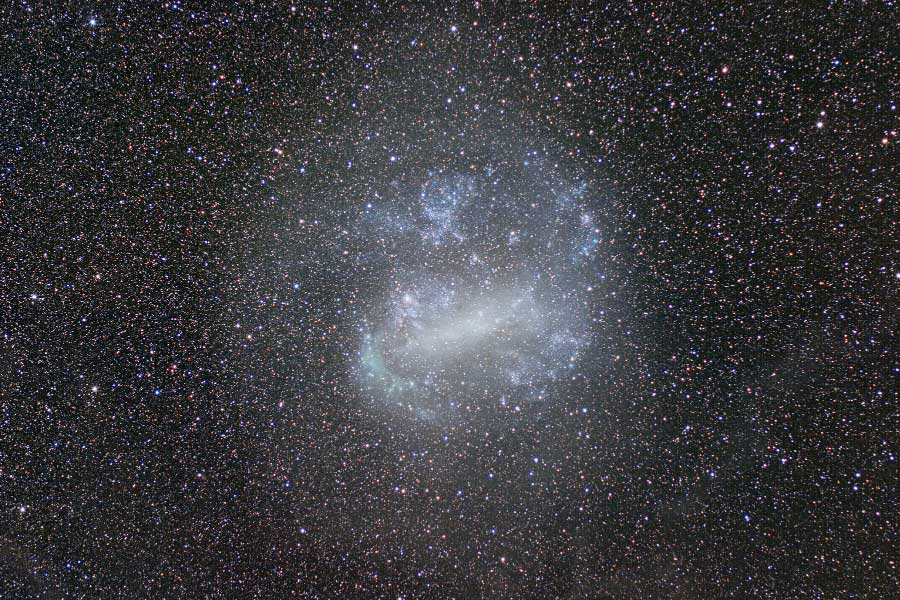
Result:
[[485, 281]]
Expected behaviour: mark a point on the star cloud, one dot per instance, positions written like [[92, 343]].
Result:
[[485, 282]]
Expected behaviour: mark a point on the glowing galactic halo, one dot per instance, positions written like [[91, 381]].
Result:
[[486, 291]]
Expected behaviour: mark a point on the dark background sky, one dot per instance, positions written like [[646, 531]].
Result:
[[181, 288]]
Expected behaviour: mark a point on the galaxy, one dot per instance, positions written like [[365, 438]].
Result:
[[449, 301], [488, 279]]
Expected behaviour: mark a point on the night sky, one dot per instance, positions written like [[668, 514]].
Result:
[[450, 301]]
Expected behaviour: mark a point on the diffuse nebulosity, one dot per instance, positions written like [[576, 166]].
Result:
[[485, 277]]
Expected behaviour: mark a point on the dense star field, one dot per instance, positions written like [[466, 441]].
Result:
[[449, 301]]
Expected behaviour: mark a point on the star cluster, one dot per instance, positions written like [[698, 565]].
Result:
[[449, 300]]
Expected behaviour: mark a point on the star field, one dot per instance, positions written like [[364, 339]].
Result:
[[452, 301]]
